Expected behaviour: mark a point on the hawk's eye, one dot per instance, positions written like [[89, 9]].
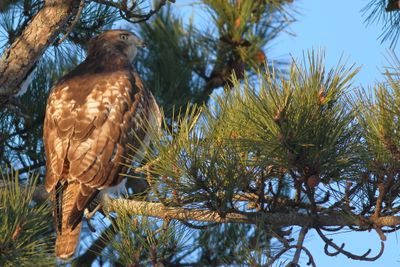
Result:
[[123, 36]]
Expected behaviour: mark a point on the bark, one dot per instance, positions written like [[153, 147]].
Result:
[[277, 219], [158, 210], [20, 58]]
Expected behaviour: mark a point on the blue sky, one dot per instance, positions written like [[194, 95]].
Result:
[[337, 26]]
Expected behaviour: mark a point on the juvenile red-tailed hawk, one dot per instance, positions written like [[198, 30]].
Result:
[[89, 116]]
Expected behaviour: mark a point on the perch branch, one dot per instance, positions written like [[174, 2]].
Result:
[[286, 249], [158, 210], [161, 211]]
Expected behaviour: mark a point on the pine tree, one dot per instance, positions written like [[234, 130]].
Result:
[[236, 176]]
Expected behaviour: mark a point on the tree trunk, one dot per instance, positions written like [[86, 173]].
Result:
[[20, 58]]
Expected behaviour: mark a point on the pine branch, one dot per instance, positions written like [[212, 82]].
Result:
[[39, 194], [279, 201], [158, 210]]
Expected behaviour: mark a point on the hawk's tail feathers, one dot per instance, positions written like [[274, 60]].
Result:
[[67, 236], [66, 243]]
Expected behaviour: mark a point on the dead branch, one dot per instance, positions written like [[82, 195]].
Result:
[[332, 229], [299, 246], [310, 257], [381, 234], [128, 14], [341, 250], [286, 249]]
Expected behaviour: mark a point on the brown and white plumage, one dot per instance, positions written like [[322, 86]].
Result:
[[89, 116]]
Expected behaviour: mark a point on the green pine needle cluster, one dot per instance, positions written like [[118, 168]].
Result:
[[303, 123], [384, 12], [142, 241], [167, 54], [26, 232], [378, 116]]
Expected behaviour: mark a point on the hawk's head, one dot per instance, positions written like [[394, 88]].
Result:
[[116, 41]]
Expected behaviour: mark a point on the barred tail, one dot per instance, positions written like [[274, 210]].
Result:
[[67, 236], [67, 242]]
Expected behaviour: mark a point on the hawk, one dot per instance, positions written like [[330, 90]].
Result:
[[90, 114]]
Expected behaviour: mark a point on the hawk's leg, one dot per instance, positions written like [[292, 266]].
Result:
[[117, 191], [89, 215]]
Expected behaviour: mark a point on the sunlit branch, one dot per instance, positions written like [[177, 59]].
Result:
[[161, 211]]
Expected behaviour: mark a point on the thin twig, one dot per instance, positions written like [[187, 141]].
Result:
[[282, 239], [310, 257], [284, 250], [381, 234], [127, 14], [299, 245], [32, 167], [393, 229], [341, 250], [332, 229], [381, 196], [73, 23]]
